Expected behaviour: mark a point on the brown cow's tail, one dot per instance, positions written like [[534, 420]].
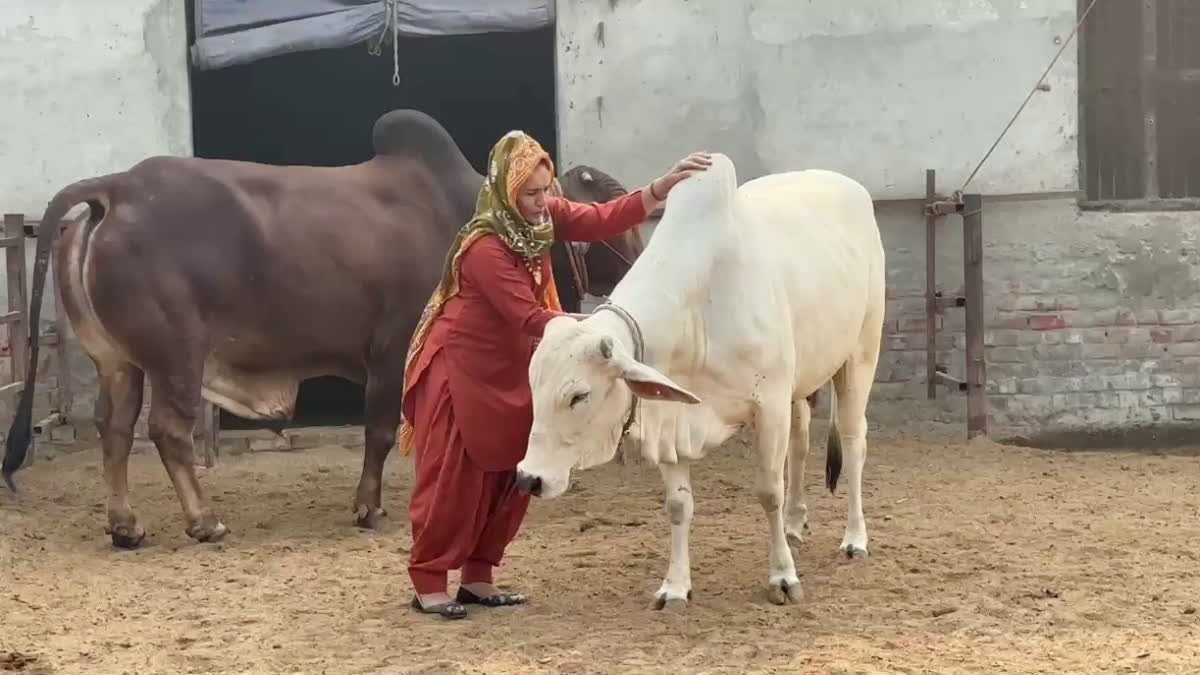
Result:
[[833, 445], [94, 191]]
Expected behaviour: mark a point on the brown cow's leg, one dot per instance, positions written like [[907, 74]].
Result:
[[174, 405], [382, 398], [117, 409]]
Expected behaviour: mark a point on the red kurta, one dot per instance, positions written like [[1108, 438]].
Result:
[[474, 367]]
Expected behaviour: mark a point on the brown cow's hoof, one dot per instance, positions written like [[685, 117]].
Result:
[[127, 537], [208, 533], [368, 517]]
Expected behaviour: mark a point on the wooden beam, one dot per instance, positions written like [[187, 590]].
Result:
[[18, 328], [1184, 75], [1141, 205]]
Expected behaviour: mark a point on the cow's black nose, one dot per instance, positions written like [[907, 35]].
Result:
[[529, 484]]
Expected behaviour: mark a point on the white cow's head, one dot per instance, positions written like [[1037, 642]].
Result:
[[583, 383]]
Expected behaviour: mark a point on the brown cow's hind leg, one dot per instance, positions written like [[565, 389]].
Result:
[[117, 408], [382, 417], [174, 406]]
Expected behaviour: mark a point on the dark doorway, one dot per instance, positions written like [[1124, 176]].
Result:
[[317, 108]]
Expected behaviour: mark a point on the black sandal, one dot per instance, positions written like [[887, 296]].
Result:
[[448, 610], [499, 599]]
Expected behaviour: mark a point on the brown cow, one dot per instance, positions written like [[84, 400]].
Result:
[[601, 265], [234, 281]]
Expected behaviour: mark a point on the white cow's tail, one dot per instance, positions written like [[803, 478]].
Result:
[[833, 445]]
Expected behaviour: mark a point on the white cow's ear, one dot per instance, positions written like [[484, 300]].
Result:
[[648, 383]]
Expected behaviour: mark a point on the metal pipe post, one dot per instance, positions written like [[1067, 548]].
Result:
[[976, 375], [930, 288]]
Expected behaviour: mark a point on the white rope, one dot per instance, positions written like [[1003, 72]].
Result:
[[391, 14], [1030, 95], [396, 42]]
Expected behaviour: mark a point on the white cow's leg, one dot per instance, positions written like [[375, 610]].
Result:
[[795, 509], [853, 389], [676, 589], [774, 424]]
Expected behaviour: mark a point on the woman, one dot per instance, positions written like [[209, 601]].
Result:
[[467, 403]]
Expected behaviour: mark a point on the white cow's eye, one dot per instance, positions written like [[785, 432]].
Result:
[[578, 398]]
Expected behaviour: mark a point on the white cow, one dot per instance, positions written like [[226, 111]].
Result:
[[745, 301]]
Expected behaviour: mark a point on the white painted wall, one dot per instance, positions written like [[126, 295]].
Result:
[[880, 90], [89, 87]]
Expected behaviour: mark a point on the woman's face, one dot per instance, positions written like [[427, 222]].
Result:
[[531, 198]]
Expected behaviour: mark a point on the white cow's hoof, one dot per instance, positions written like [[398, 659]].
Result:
[[206, 533], [854, 552], [783, 591], [671, 601], [795, 535]]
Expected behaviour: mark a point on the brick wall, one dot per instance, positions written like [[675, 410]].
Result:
[[1093, 320]]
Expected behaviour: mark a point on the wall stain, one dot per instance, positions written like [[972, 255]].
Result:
[[158, 32], [1154, 262]]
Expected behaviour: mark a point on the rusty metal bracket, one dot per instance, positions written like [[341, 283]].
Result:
[[943, 303], [939, 205], [941, 376]]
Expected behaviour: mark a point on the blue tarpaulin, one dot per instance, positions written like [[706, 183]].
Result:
[[231, 32]]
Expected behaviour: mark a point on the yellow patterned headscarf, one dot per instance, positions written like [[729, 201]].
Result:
[[510, 164]]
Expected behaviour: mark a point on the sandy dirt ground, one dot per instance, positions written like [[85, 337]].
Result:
[[985, 559]]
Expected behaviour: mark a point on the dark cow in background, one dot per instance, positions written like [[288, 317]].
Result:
[[581, 268], [234, 281]]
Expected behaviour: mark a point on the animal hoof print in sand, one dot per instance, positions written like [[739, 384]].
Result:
[[785, 591], [124, 536], [208, 534]]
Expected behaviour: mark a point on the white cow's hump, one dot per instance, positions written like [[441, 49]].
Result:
[[811, 181], [815, 205], [705, 191]]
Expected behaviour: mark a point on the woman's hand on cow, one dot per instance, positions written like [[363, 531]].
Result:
[[661, 186]]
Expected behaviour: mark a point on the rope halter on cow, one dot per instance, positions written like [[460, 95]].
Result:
[[639, 351]]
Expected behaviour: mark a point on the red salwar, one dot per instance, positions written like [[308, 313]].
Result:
[[471, 405]]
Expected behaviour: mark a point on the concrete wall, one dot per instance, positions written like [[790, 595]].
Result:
[[1093, 319], [87, 88], [881, 91]]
